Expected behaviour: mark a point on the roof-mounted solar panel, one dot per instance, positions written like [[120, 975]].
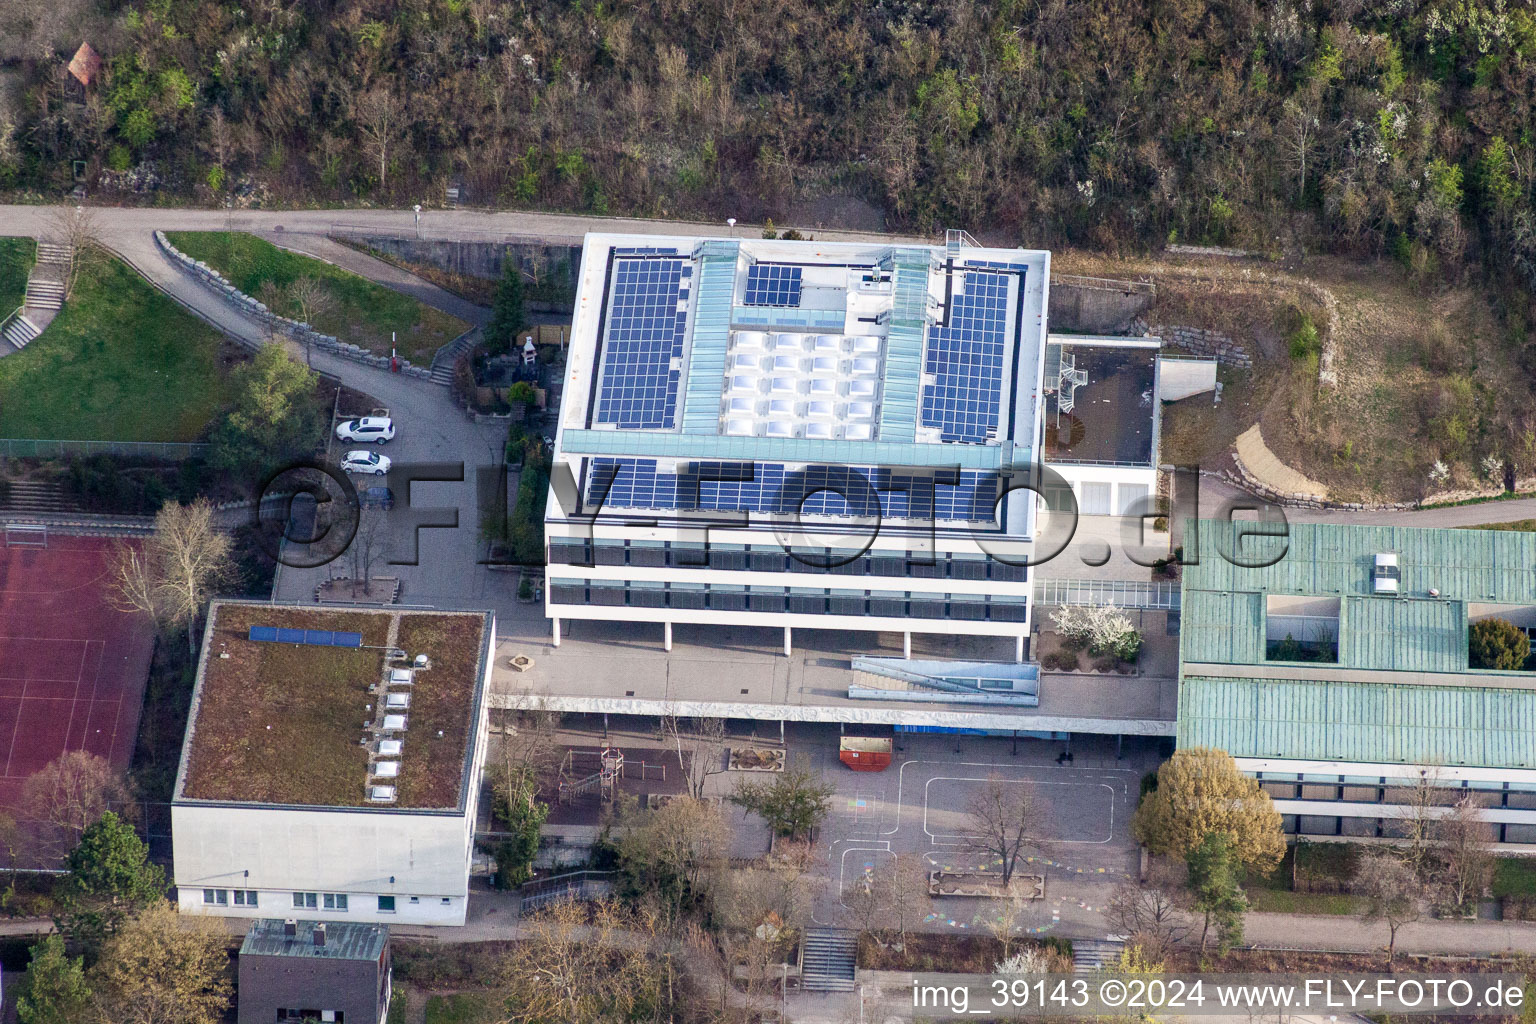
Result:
[[307, 637]]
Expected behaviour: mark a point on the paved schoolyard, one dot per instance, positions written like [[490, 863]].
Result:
[[917, 808]]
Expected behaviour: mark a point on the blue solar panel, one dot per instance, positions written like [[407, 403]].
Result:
[[645, 331], [966, 359], [733, 486], [773, 286], [308, 637]]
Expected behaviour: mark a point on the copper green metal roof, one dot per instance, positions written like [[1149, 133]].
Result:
[[1225, 605], [1464, 565], [1384, 723]]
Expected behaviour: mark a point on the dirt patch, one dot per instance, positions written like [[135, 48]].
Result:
[[1423, 373]]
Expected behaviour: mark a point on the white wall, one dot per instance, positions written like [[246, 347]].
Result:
[[283, 850], [1124, 483]]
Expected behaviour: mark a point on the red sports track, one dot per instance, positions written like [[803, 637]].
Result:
[[72, 667]]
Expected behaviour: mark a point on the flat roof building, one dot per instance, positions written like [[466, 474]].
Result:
[[1333, 663], [799, 434], [334, 972], [332, 763]]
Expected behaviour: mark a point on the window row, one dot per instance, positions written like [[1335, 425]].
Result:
[[335, 901], [797, 600], [1385, 828], [773, 558], [1366, 790]]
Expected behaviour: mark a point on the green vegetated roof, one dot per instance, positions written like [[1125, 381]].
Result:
[[1384, 723], [280, 723], [1464, 565]]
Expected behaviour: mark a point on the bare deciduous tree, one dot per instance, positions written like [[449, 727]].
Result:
[[68, 796], [700, 748], [909, 895], [868, 896], [75, 228], [381, 122], [311, 298], [1007, 917], [1463, 838], [1299, 129], [368, 546], [578, 963], [1391, 891], [1002, 821], [176, 570], [1150, 914]]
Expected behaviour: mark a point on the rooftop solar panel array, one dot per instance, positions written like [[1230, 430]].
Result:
[[646, 325], [966, 361], [773, 286], [309, 637], [770, 489]]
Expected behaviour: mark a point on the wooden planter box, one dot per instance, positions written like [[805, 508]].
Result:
[[756, 759], [985, 883]]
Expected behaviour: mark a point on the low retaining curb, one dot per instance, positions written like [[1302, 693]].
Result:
[[295, 329]]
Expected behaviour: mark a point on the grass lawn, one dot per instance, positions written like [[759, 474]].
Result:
[[1514, 876], [1280, 901], [364, 313], [121, 362], [464, 1008], [1519, 526], [16, 256]]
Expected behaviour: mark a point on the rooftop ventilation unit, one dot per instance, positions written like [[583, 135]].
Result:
[[381, 794], [1385, 575], [421, 662]]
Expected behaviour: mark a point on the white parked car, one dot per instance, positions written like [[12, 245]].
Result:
[[376, 429], [364, 461]]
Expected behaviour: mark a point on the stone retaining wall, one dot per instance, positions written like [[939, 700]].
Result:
[[295, 329], [1201, 342], [1248, 482]]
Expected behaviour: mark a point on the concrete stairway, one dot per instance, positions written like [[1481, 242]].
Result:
[[444, 358], [19, 330], [44, 297], [1090, 955], [35, 497], [42, 294], [828, 959]]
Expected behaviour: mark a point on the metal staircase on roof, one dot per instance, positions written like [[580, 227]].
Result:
[[1067, 383]]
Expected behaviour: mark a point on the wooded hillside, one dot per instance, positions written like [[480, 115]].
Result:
[[1396, 127]]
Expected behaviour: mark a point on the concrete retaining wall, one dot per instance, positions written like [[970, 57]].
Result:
[[1091, 305], [484, 259], [295, 329]]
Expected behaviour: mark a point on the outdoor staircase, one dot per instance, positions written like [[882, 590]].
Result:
[[444, 358], [828, 959], [19, 330], [43, 294], [35, 497], [44, 298], [1091, 955]]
